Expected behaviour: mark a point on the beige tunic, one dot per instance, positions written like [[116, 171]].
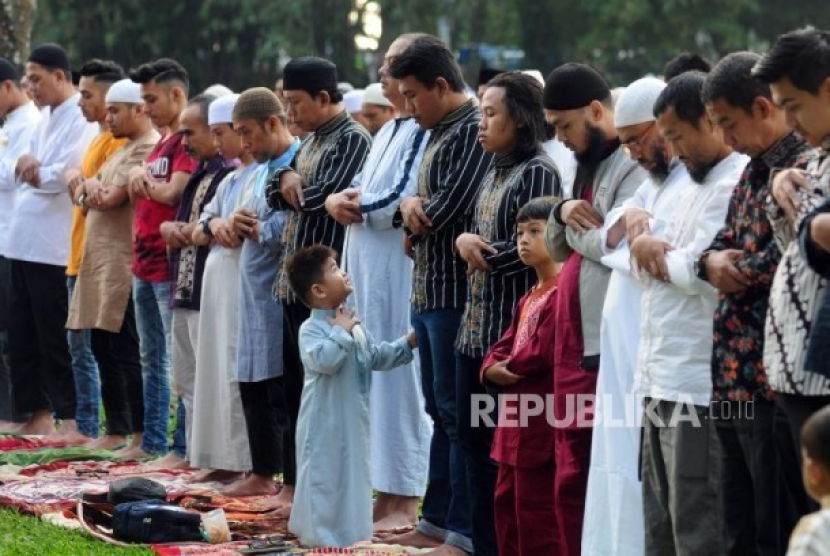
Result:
[[105, 280]]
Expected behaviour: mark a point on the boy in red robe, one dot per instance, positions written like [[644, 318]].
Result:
[[520, 367]]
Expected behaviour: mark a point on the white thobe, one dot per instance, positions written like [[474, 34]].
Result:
[[382, 277], [613, 523]]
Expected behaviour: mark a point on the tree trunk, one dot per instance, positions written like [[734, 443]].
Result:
[[16, 20]]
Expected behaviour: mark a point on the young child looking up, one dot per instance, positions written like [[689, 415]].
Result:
[[521, 364], [333, 498], [811, 536]]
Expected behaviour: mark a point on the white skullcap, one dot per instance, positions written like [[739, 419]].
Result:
[[636, 103], [374, 95], [217, 90], [353, 101], [220, 110], [536, 74], [126, 91]]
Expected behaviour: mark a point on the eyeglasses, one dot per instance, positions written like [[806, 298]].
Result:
[[637, 142]]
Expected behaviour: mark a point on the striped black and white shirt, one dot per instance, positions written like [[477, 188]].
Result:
[[492, 296], [328, 161], [449, 179]]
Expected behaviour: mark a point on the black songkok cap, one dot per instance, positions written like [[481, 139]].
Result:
[[52, 56], [572, 86], [8, 72], [309, 74], [486, 74]]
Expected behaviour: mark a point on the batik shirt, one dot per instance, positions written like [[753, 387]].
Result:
[[327, 161], [449, 179], [738, 341], [492, 295]]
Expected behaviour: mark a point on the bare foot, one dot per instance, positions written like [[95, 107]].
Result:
[[252, 485], [215, 475], [131, 453], [283, 512], [415, 539], [9, 427], [446, 550], [396, 523], [38, 426], [108, 442], [170, 461]]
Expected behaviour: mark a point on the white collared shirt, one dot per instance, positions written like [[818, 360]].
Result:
[[15, 137], [39, 229], [675, 353]]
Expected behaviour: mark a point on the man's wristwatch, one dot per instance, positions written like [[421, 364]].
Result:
[[700, 266], [206, 226], [81, 200]]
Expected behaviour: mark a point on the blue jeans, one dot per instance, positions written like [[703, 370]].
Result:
[[87, 379], [446, 507], [152, 315]]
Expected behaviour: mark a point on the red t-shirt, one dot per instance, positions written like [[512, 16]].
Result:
[[149, 250]]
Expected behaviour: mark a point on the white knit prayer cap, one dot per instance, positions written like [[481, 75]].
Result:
[[217, 90], [636, 103], [126, 91], [374, 95], [220, 110], [353, 101], [535, 74]]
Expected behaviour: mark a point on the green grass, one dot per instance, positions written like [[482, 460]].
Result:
[[22, 535]]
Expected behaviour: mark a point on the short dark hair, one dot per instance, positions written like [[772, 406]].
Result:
[[539, 208], [523, 99], [803, 56], [163, 70], [102, 71], [815, 436], [731, 80], [306, 267], [203, 102], [426, 59], [683, 93], [683, 62]]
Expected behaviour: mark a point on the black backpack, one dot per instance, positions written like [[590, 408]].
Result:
[[154, 521]]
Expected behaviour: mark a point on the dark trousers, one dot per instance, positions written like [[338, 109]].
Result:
[[41, 367], [122, 385], [6, 413], [475, 443], [294, 315], [798, 409], [751, 475], [265, 418]]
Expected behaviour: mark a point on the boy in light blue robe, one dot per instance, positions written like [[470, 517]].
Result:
[[333, 497]]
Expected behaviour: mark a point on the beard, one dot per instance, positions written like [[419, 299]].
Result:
[[699, 172], [660, 169], [594, 150]]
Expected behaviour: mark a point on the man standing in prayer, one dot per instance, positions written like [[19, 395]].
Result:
[[578, 103], [680, 452], [758, 452], [103, 301], [96, 78], [327, 162], [614, 494], [381, 274], [38, 248], [188, 263], [260, 121], [156, 190], [449, 180], [21, 118]]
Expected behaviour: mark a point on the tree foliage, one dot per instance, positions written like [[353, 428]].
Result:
[[245, 42]]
